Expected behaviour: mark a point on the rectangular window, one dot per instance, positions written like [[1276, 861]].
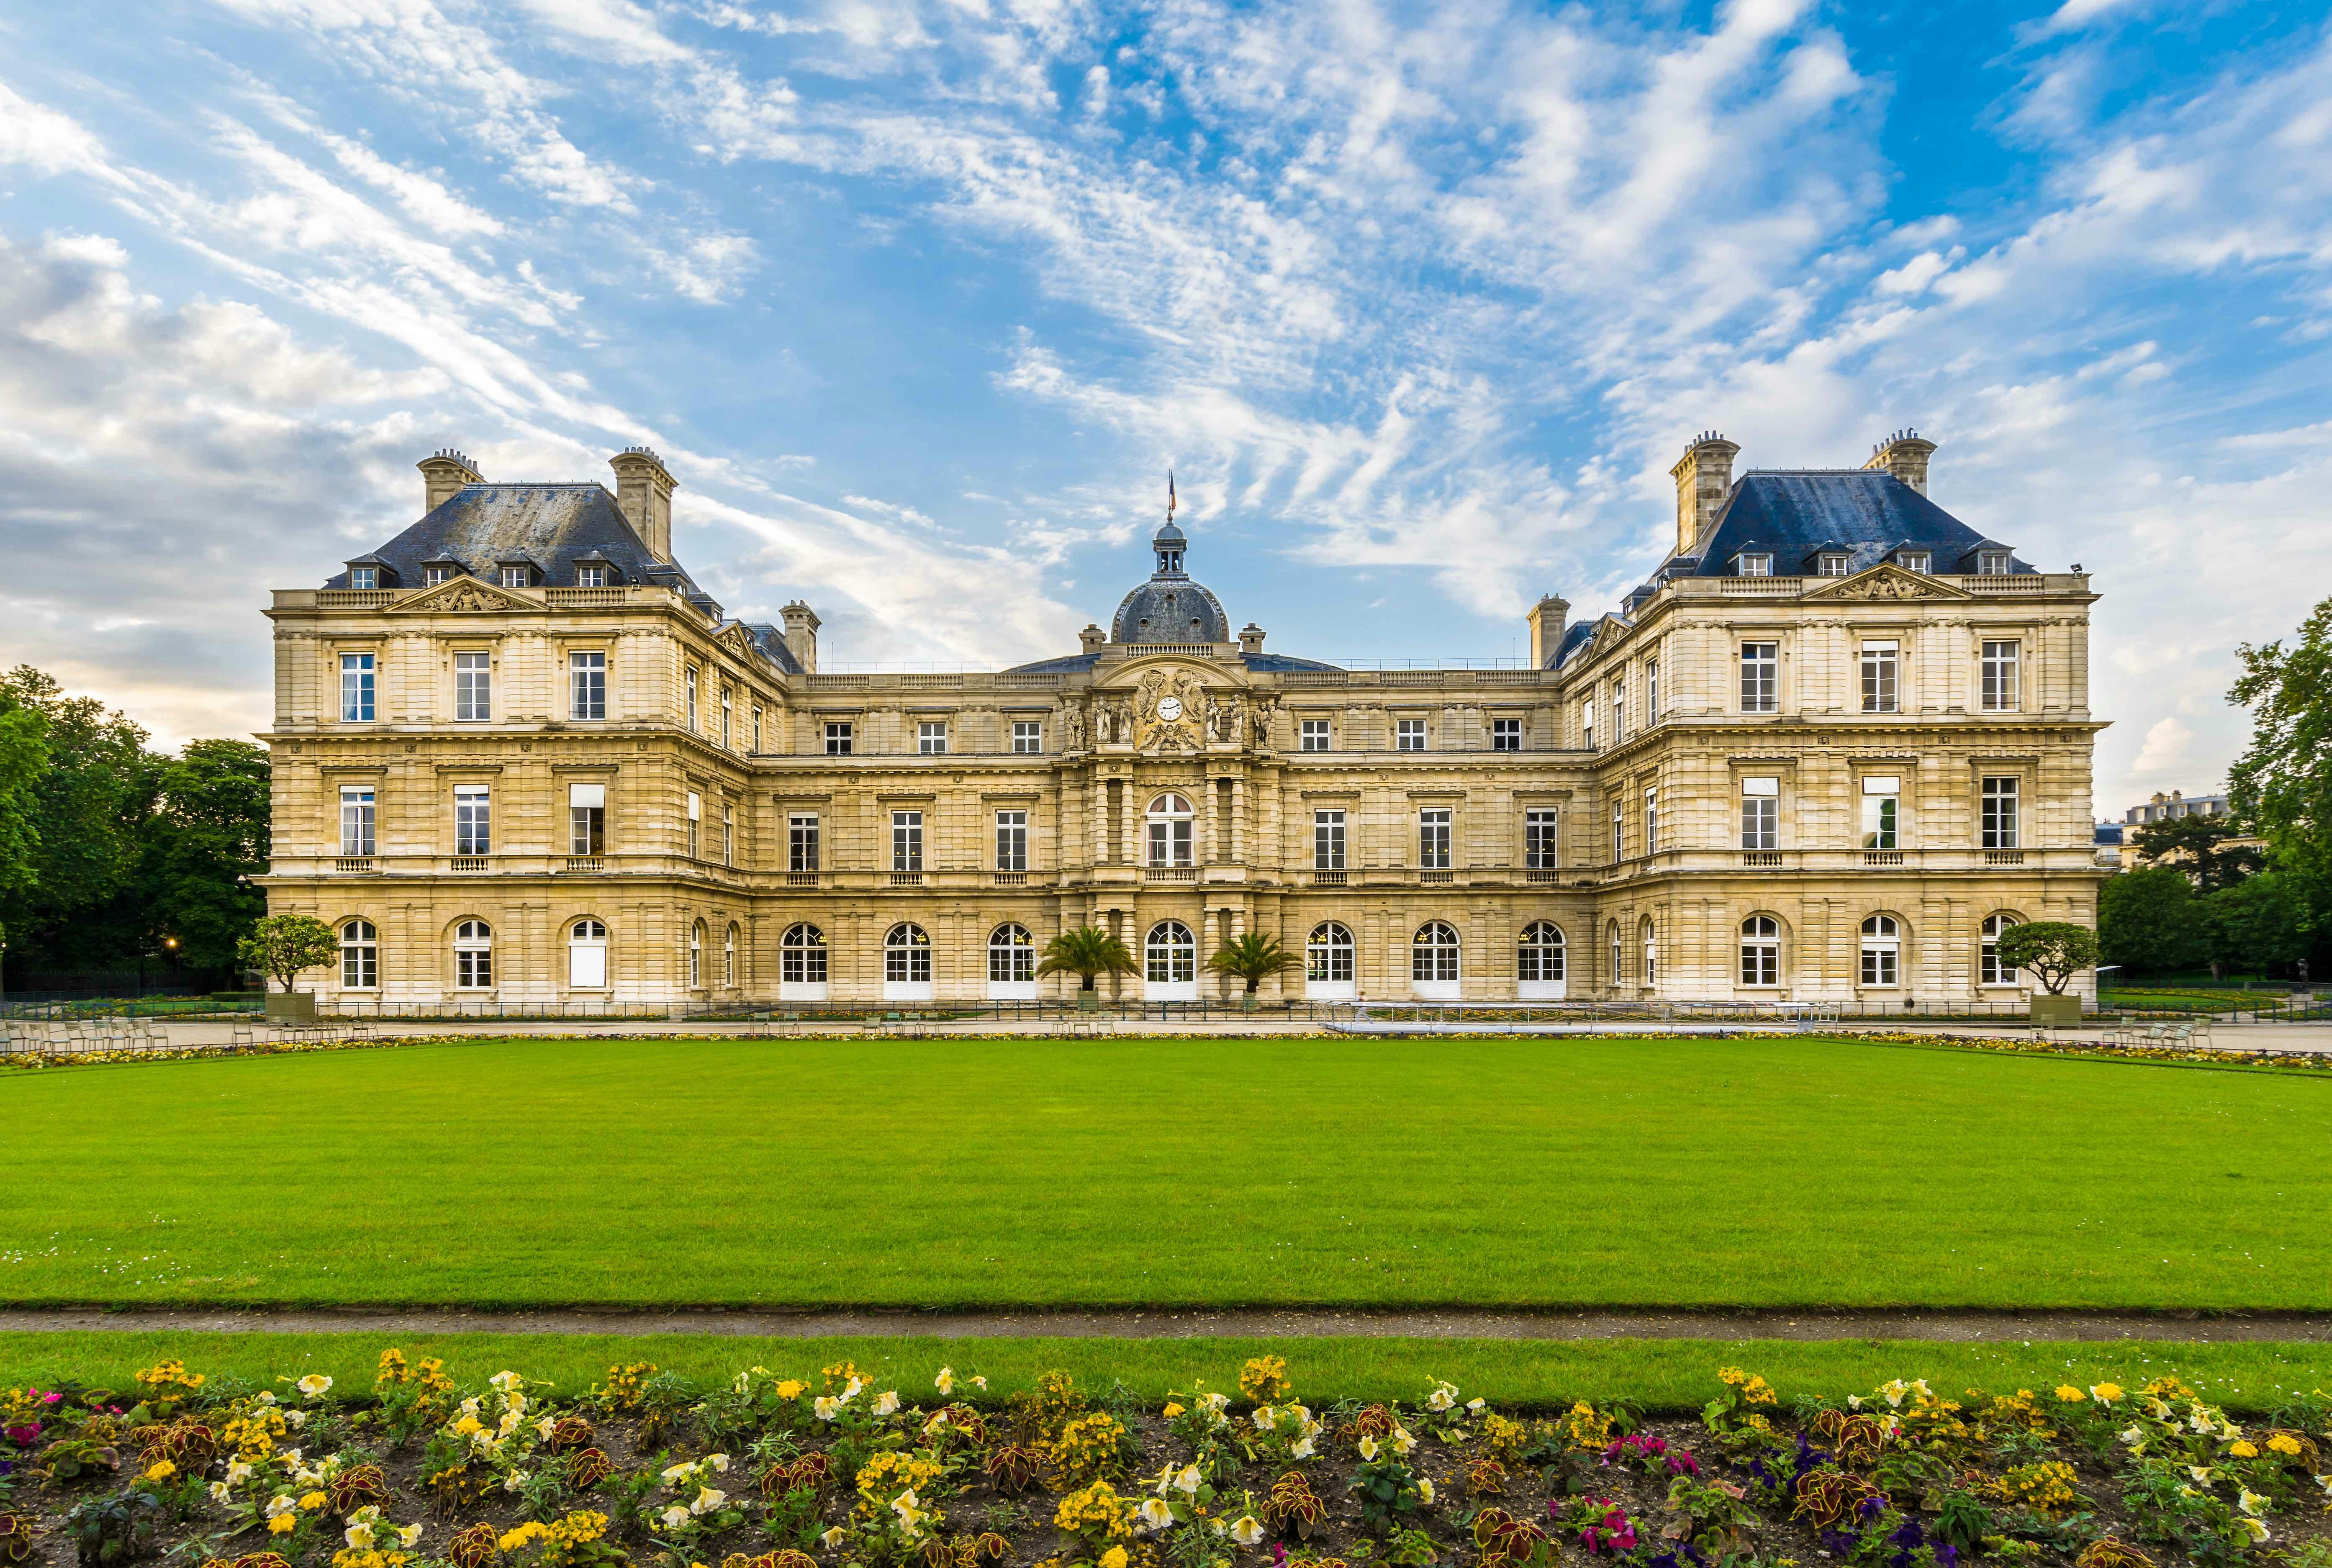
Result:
[[1918, 560], [1831, 564], [757, 729], [590, 576], [728, 834], [517, 577], [727, 717], [906, 841], [363, 576], [474, 688], [2000, 693], [838, 739], [1992, 562], [931, 739], [2000, 814], [694, 805], [689, 680], [801, 841], [587, 676], [1027, 737], [1328, 839], [1409, 735], [1651, 821], [1619, 709], [1433, 838], [1756, 565], [355, 819], [1761, 677], [1506, 734], [1652, 691], [1313, 735], [473, 820], [1882, 800], [1878, 672], [431, 575], [1012, 841], [1761, 813], [1539, 838], [356, 688], [586, 818], [1618, 834], [1587, 722]]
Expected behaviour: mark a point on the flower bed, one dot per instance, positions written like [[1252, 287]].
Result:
[[834, 1470]]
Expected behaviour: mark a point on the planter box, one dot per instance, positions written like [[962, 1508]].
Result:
[[1088, 1002], [291, 1007], [2057, 1012]]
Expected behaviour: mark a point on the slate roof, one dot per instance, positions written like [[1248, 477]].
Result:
[[1795, 513], [481, 526], [1170, 608], [1260, 664]]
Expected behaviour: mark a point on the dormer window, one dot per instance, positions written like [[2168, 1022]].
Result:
[[364, 577], [1918, 561], [1756, 565], [1830, 564], [590, 576], [431, 575], [518, 577], [1992, 562]]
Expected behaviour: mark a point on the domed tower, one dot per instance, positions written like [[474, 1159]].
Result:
[[1170, 607]]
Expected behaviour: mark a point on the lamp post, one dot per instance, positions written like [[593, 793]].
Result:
[[2105, 992]]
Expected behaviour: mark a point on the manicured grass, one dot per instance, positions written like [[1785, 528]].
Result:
[[1484, 1171], [1677, 1374]]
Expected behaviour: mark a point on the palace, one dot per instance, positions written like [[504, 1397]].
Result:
[[1828, 749]]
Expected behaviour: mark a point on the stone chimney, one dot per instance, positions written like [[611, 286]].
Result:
[[1092, 639], [1704, 477], [1905, 456], [1250, 638], [643, 492], [1547, 619], [443, 474], [801, 634]]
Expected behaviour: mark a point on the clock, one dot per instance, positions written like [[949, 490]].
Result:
[[1170, 708]]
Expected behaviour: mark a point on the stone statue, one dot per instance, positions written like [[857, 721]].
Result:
[[1073, 727]]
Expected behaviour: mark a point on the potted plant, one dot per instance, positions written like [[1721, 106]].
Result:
[[281, 945], [1254, 958], [1087, 951], [2052, 952]]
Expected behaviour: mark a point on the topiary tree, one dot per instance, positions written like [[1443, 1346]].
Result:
[[2054, 950], [1254, 958], [1087, 951], [281, 945]]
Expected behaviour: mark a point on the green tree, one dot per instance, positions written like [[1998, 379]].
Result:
[[1088, 953], [2149, 921], [2282, 784], [282, 945], [85, 808], [24, 759], [208, 834], [2254, 925], [2199, 846], [2054, 951], [1253, 957]]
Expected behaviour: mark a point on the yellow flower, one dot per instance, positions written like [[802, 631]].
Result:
[[791, 1389], [1172, 1411], [160, 1470], [2106, 1394], [2243, 1448], [2070, 1394], [1114, 1558], [2284, 1443], [282, 1525], [313, 1501]]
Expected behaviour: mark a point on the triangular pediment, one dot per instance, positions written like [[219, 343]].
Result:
[[463, 595], [1888, 581]]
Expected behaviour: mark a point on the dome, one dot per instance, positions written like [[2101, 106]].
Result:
[[1170, 607]]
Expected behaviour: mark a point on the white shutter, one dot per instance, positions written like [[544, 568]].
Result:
[[586, 795], [586, 965], [695, 806]]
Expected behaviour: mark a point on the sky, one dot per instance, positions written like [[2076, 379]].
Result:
[[920, 300]]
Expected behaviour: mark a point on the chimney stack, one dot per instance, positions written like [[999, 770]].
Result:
[[644, 494], [1547, 619], [443, 474], [1704, 477], [1250, 638], [1092, 639], [801, 634], [1905, 456]]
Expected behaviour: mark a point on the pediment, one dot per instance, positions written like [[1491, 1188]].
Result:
[[739, 641], [463, 595], [1888, 581], [1195, 665]]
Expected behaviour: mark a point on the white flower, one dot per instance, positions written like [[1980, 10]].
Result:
[[221, 1492], [1186, 1481], [1443, 1397], [911, 1513], [707, 1499], [1402, 1441], [545, 1427], [2251, 1502], [1424, 1490], [720, 1462], [888, 1404], [829, 1407], [507, 1380], [979, 1382], [1246, 1531], [237, 1472], [2201, 1473], [850, 1389], [280, 1504], [1893, 1391], [1854, 1401], [1302, 1449], [2132, 1436], [1476, 1406], [297, 1419], [1156, 1514], [674, 1517], [945, 1382], [1368, 1447], [359, 1535], [264, 1396], [315, 1385], [1264, 1418], [2258, 1527], [306, 1476], [516, 1483], [2200, 1421], [674, 1472], [832, 1540], [409, 1535]]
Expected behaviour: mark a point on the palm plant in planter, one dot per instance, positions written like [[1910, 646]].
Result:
[[1253, 957], [1087, 952]]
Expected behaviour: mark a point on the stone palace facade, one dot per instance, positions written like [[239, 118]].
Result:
[[1828, 750]]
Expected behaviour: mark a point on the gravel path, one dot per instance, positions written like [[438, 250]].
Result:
[[1159, 1323]]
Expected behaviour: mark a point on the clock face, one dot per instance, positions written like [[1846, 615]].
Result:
[[1170, 708]]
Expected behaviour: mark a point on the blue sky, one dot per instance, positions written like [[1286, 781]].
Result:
[[921, 300]]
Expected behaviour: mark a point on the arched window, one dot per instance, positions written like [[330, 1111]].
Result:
[[1433, 951], [696, 955], [1170, 831], [801, 956], [587, 955], [1993, 972], [473, 956], [907, 956], [1761, 951], [1170, 955], [1618, 957], [1882, 946], [1539, 957], [729, 952], [1651, 945], [359, 956], [1011, 955], [1328, 953]]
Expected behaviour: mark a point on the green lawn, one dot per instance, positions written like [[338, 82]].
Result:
[[1487, 1172]]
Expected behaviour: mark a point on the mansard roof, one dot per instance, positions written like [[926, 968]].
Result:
[[1257, 664], [481, 526], [1794, 513]]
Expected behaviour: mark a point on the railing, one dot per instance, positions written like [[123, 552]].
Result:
[[801, 879], [1761, 857], [352, 863], [467, 863], [1328, 879], [357, 599], [1882, 857], [2003, 857], [906, 879], [1170, 874], [1760, 587], [2005, 583], [1012, 879], [586, 598], [1542, 873], [1436, 876], [587, 862]]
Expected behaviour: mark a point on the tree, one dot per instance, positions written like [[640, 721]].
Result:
[[2282, 784], [2054, 950], [1254, 958], [2150, 922], [85, 808], [2254, 924], [2199, 845], [282, 945], [207, 836], [1087, 951], [24, 759]]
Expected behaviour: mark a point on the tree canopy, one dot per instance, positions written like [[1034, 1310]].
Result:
[[2200, 846], [2282, 784]]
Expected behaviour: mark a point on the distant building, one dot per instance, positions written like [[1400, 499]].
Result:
[[2160, 809]]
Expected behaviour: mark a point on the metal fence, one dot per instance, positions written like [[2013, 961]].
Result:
[[175, 1006]]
